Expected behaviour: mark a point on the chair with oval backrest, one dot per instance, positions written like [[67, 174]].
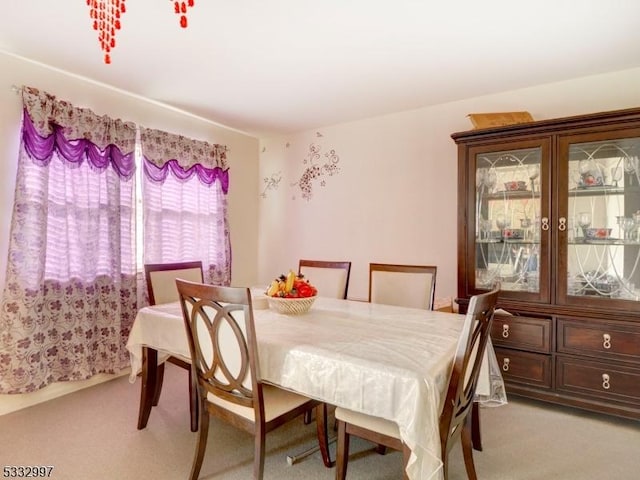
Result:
[[224, 357], [402, 285], [455, 418], [330, 278], [161, 288]]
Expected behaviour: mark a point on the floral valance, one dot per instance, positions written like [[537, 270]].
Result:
[[184, 157], [161, 147], [41, 148], [48, 114]]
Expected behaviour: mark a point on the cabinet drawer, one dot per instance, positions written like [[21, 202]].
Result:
[[525, 333], [524, 367], [598, 379], [606, 340]]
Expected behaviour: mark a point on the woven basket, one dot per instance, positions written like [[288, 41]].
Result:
[[291, 306]]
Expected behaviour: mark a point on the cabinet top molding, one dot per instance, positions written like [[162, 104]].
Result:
[[541, 126]]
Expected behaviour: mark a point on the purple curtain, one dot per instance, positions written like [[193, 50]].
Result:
[[70, 295], [185, 207]]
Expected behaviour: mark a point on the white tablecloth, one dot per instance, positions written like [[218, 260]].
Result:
[[387, 361]]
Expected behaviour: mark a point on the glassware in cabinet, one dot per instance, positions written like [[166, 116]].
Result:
[[508, 218], [602, 245]]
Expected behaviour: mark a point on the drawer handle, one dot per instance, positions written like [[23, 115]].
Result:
[[505, 331], [505, 364], [606, 341], [605, 381]]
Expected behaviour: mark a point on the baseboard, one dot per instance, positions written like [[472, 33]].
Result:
[[13, 403]]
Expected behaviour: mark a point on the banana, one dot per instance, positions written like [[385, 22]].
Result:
[[273, 288], [290, 279]]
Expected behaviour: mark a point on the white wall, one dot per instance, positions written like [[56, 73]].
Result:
[[243, 155], [395, 197]]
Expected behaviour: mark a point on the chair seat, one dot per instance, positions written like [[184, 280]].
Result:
[[164, 356], [375, 424], [276, 402]]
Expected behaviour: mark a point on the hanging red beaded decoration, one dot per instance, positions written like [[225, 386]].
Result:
[[180, 8], [106, 21]]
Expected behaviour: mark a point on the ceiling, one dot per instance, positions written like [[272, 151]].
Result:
[[281, 66]]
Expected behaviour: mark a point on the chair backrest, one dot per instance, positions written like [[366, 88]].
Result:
[[403, 285], [467, 364], [330, 278], [222, 342], [161, 279]]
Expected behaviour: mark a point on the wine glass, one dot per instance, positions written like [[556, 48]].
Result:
[[583, 167], [631, 166], [485, 228], [525, 223], [584, 221], [502, 222], [619, 222], [616, 174], [636, 221], [481, 176], [534, 172], [491, 180], [628, 225]]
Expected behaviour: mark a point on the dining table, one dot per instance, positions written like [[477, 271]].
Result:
[[387, 361]]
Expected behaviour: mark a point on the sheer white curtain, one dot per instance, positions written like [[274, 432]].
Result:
[[184, 189], [70, 295]]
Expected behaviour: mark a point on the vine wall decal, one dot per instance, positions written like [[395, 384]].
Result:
[[315, 171], [271, 183]]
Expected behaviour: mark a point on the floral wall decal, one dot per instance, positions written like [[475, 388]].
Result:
[[271, 183], [315, 170]]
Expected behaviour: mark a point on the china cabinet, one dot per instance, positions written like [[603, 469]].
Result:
[[551, 210]]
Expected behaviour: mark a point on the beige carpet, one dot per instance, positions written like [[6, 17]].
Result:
[[91, 434]]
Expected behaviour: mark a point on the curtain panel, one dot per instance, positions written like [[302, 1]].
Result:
[[70, 295], [185, 209]]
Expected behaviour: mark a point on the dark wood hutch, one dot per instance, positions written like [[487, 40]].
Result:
[[551, 210]]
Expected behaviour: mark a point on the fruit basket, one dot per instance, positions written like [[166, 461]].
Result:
[[291, 306], [291, 294]]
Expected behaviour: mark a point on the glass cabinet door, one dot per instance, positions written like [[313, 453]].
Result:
[[599, 220], [511, 223]]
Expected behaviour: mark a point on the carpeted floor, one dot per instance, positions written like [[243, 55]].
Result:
[[92, 435]]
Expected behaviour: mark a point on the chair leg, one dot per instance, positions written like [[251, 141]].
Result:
[[381, 449], [467, 449], [323, 436], [148, 385], [445, 469], [444, 448], [203, 433], [258, 452], [475, 427], [307, 417], [159, 380], [342, 451], [193, 402], [406, 455]]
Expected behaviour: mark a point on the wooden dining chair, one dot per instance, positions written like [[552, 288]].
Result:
[[161, 288], [224, 358], [455, 418], [330, 278], [403, 285]]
